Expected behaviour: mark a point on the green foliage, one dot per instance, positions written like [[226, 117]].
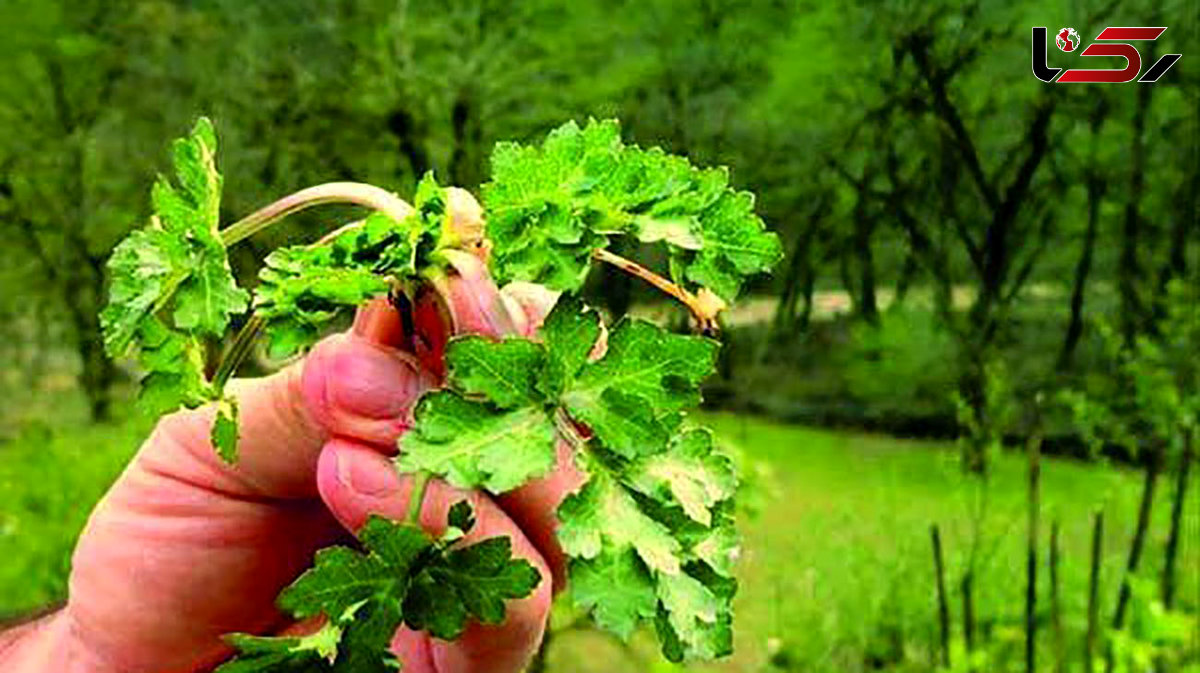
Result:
[[1155, 636], [811, 594], [303, 288], [898, 367], [176, 266], [403, 577], [649, 536], [656, 512], [494, 427], [1149, 395], [551, 207], [171, 286]]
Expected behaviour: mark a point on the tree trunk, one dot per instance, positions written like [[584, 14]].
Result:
[[907, 273], [82, 294], [968, 617], [409, 136], [807, 288], [1095, 192], [464, 159], [973, 387], [1128, 265], [1056, 623], [785, 311], [864, 229], [844, 259]]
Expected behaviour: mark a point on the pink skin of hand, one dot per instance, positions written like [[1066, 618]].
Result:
[[184, 548]]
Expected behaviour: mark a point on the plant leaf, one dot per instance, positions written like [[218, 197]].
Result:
[[174, 265], [474, 444], [225, 430], [551, 206], [471, 582]]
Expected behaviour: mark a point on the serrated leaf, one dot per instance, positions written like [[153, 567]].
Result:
[[207, 296], [471, 582], [174, 365], [403, 577], [304, 288], [569, 333], [551, 206], [504, 372], [399, 546], [602, 515], [474, 444], [609, 533], [733, 245], [695, 621], [207, 299], [617, 588], [339, 580], [365, 646], [176, 264], [690, 473], [143, 269], [632, 397]]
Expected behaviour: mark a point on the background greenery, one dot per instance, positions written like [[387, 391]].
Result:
[[957, 234]]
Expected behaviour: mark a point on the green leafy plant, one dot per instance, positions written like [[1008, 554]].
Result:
[[650, 536]]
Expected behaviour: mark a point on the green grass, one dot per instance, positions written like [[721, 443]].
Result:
[[49, 482], [836, 566]]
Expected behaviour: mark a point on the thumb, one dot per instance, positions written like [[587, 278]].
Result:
[[357, 481], [351, 385]]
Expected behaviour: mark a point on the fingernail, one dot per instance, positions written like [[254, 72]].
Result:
[[367, 477]]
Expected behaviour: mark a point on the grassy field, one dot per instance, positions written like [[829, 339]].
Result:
[[837, 571]]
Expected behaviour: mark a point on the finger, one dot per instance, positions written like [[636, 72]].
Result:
[[474, 299], [137, 591], [356, 481], [473, 303], [534, 301], [350, 385], [534, 508]]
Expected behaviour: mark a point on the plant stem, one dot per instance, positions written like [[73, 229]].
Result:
[[357, 193], [706, 316], [1182, 476], [939, 569], [967, 586], [416, 498], [1056, 625], [1093, 614], [1031, 560], [1139, 539], [243, 343]]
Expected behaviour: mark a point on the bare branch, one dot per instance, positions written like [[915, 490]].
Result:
[[949, 114]]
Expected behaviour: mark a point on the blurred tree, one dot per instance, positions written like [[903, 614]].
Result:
[[76, 75]]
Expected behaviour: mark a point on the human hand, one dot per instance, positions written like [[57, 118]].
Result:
[[185, 548]]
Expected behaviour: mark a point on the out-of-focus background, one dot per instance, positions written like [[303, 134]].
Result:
[[987, 278]]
